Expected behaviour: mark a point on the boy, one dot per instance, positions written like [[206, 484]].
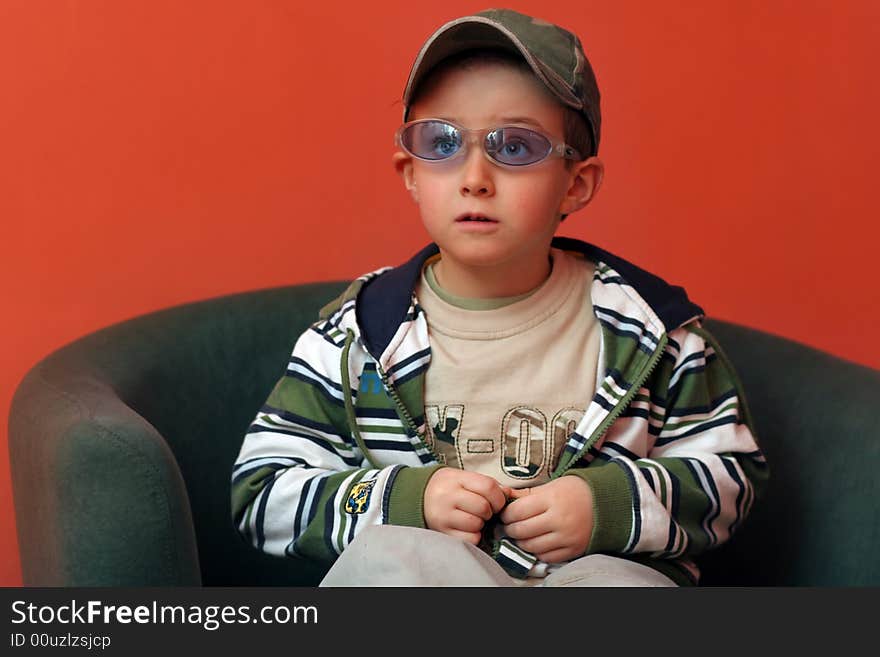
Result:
[[534, 396]]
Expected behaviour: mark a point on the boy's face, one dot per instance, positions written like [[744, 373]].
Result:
[[525, 204]]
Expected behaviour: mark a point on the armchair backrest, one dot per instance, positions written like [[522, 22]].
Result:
[[816, 418]]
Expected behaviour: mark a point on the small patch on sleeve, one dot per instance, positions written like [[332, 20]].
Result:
[[359, 497]]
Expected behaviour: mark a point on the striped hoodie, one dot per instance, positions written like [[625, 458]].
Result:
[[666, 443]]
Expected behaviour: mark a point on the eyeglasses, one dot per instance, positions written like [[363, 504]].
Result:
[[512, 146]]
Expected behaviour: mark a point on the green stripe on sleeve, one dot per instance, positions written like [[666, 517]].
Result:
[[612, 506], [406, 502]]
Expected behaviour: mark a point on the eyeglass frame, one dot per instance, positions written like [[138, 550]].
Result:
[[558, 148]]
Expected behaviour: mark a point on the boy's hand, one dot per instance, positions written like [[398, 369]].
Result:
[[459, 503], [553, 521]]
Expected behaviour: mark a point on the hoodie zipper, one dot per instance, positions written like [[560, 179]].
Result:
[[403, 412], [619, 408]]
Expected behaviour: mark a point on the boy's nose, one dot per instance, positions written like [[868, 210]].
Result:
[[477, 173]]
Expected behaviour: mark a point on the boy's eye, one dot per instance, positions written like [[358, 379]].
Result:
[[445, 146], [517, 146], [433, 140], [514, 148]]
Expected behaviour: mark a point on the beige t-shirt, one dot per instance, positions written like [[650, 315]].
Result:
[[507, 385]]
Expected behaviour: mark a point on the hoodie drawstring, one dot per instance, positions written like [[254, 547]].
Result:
[[349, 405]]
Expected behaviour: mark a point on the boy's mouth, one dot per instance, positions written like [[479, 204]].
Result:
[[476, 218]]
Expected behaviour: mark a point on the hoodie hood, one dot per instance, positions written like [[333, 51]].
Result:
[[384, 302]]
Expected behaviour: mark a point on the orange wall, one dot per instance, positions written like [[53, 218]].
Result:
[[155, 152]]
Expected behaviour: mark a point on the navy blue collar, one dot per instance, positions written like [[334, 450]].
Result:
[[383, 302]]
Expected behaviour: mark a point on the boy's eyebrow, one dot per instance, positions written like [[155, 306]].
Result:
[[520, 119], [503, 120]]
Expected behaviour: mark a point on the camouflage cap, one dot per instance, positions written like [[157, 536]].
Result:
[[553, 53]]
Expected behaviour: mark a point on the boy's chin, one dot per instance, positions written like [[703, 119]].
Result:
[[479, 256]]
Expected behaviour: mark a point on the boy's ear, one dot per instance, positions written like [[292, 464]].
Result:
[[403, 164], [585, 178]]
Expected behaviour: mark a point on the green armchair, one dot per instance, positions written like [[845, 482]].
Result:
[[121, 446]]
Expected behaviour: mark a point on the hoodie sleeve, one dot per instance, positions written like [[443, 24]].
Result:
[[301, 485], [691, 485]]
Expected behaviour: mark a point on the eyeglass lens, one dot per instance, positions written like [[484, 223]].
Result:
[[438, 140]]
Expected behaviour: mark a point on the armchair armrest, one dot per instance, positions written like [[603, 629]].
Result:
[[98, 494]]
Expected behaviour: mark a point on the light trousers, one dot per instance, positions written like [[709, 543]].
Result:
[[390, 555]]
